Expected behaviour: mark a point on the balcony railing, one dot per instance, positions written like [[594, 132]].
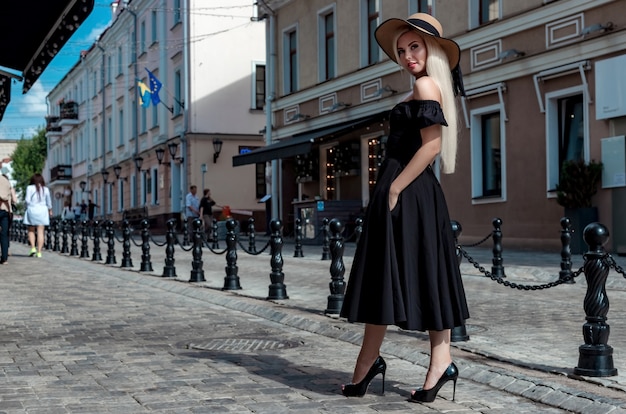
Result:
[[52, 124], [61, 173], [69, 110]]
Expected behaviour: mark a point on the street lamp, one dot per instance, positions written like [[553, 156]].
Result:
[[172, 147], [118, 170], [105, 175], [138, 162], [217, 148], [160, 152]]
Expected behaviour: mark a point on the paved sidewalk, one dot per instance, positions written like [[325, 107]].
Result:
[[81, 336]]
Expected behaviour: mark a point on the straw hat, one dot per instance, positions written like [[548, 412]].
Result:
[[423, 23]]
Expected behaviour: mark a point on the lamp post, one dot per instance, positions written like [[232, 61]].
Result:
[[217, 148]]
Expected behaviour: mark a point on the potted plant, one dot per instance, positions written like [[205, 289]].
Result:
[[577, 185]]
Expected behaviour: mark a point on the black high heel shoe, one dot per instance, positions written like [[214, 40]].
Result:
[[359, 390], [422, 395]]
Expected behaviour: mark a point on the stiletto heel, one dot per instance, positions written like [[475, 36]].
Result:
[[422, 395], [359, 390]]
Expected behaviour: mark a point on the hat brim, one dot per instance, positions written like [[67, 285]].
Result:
[[387, 31]]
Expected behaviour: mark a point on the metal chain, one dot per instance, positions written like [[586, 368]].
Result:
[[615, 266], [480, 242], [153, 240], [181, 245], [253, 253], [516, 285]]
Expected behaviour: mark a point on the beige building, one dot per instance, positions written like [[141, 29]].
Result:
[[543, 86], [129, 154]]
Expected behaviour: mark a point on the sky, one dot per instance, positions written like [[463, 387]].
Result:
[[25, 113]]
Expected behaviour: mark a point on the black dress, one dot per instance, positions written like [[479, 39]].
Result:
[[405, 270]]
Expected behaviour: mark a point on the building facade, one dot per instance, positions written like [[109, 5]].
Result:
[[131, 152], [542, 84]]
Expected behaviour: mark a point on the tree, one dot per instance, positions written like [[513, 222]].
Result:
[[29, 158]]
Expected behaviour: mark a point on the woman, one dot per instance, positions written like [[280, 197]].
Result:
[[405, 271], [38, 212]]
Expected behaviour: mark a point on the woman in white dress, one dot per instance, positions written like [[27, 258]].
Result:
[[38, 212]]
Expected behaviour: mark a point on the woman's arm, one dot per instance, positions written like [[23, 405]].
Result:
[[424, 89]]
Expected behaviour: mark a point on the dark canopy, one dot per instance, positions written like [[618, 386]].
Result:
[[31, 34]]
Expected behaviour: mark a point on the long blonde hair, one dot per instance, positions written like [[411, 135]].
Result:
[[438, 68]]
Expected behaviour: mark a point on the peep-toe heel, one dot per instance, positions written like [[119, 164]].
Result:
[[422, 395], [359, 389]]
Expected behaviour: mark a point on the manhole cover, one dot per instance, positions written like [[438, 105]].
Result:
[[242, 345]]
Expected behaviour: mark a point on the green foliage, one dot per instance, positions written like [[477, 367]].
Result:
[[578, 183], [29, 158]]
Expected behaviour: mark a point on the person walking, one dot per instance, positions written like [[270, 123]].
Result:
[[38, 212], [206, 211], [192, 207], [405, 270], [7, 200]]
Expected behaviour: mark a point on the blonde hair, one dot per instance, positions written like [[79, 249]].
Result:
[[438, 68]]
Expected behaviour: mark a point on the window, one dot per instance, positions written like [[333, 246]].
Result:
[[109, 192], [370, 52], [142, 37], [155, 116], [176, 11], [567, 123], [421, 6], [120, 61], [153, 18], [290, 48], [178, 92], [95, 143], [487, 154], [155, 186], [483, 12], [110, 134], [143, 126], [258, 87], [120, 140], [144, 188], [260, 180], [133, 190], [120, 195], [326, 45], [95, 83], [109, 68]]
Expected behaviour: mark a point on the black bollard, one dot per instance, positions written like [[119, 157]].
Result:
[[337, 269], [595, 357], [48, 236], [497, 269], [110, 235], [126, 259], [146, 264], [186, 232], [84, 242], [277, 289], [216, 243], [170, 240], [458, 333], [64, 246], [231, 281], [55, 233], [197, 273], [358, 230], [298, 239], [74, 245], [251, 236], [566, 254], [96, 256], [325, 240]]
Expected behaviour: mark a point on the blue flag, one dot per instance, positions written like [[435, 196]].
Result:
[[155, 87]]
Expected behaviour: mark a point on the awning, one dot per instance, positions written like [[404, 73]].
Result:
[[33, 31], [302, 143]]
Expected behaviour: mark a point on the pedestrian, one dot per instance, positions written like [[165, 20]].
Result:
[[83, 210], [405, 270], [91, 209], [77, 211], [192, 207], [206, 211], [7, 201], [67, 213], [38, 212]]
